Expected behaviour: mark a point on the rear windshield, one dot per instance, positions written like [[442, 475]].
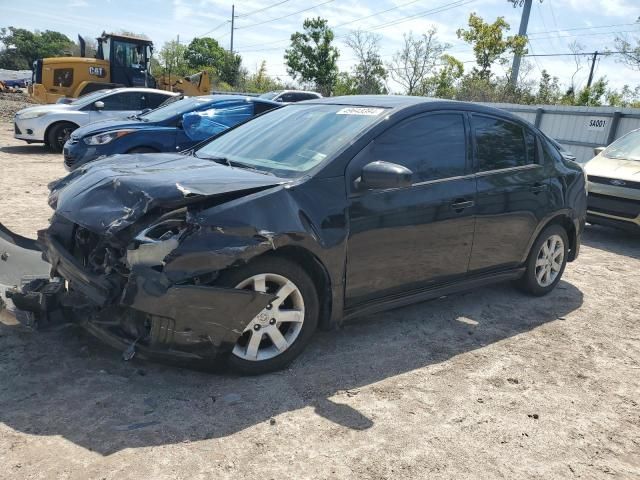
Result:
[[627, 147], [294, 139], [269, 95]]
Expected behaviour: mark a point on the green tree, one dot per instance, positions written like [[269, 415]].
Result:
[[415, 60], [207, 54], [346, 84], [592, 96], [490, 43], [444, 83], [311, 57], [172, 59], [203, 53], [626, 97], [548, 89], [260, 82], [369, 73], [22, 47]]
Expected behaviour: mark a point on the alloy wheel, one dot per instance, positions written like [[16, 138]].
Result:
[[273, 330], [64, 135], [549, 261]]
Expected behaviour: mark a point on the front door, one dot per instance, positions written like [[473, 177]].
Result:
[[513, 192], [418, 236]]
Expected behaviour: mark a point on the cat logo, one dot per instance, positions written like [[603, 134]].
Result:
[[97, 71]]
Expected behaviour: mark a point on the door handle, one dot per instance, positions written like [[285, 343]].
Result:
[[460, 205], [539, 187]]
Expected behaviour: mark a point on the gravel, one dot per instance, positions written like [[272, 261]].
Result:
[[10, 103]]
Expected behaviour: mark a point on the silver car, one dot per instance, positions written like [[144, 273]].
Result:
[[53, 124], [614, 184], [290, 96]]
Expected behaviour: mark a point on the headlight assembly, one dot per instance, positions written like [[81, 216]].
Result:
[[107, 137], [29, 115]]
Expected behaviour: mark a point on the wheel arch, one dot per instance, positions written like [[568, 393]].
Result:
[[53, 124], [318, 273], [565, 221], [143, 147]]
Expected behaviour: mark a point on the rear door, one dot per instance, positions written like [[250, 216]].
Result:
[[418, 236], [513, 192]]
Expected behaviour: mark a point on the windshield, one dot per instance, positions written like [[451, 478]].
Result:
[[174, 108], [292, 140], [89, 97], [269, 95], [627, 147]]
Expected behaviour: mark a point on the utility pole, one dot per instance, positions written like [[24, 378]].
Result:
[[233, 16], [524, 23], [593, 64]]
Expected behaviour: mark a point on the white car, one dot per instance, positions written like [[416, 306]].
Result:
[[53, 124], [290, 96]]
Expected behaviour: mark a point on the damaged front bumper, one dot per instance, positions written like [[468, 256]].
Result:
[[147, 314]]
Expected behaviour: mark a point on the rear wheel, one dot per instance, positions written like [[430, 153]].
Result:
[[279, 333], [58, 134], [547, 261]]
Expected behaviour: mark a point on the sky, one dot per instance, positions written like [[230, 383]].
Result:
[[262, 33]]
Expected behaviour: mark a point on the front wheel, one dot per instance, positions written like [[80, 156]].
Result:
[[59, 134], [279, 333], [547, 261]]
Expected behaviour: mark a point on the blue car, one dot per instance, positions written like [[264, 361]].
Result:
[[173, 127]]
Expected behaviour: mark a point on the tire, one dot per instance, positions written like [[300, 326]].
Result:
[[535, 281], [303, 300], [58, 134], [143, 150]]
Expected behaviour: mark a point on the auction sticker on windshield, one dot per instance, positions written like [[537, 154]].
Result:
[[360, 111]]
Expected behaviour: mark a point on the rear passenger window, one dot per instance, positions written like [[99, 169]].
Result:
[[155, 99], [124, 101], [501, 144], [431, 146]]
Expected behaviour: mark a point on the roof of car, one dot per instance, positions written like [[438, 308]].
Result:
[[139, 89], [388, 101], [220, 98], [399, 102]]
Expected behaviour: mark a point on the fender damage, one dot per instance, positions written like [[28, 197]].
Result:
[[134, 257]]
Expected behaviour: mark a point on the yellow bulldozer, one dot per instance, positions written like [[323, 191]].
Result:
[[120, 61]]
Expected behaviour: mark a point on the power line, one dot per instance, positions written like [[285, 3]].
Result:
[[375, 14], [214, 29], [582, 34], [285, 16], [244, 15], [424, 13], [560, 30]]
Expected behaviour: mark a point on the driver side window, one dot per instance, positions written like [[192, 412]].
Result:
[[432, 146]]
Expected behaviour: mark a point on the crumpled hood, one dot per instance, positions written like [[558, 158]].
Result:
[[108, 195], [108, 125], [601, 166]]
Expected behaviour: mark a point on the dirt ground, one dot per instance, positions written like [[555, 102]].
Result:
[[490, 384]]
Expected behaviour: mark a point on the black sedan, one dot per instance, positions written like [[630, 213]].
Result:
[[301, 218]]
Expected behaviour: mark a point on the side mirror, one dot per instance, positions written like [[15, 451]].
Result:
[[598, 150], [382, 175], [99, 105]]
